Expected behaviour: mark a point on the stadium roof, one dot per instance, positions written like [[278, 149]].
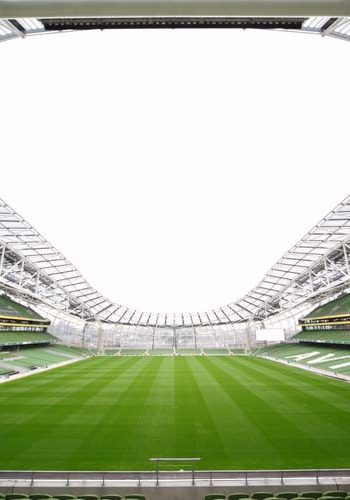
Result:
[[21, 18], [316, 266]]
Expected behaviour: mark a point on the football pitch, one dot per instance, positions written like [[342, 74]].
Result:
[[114, 413]]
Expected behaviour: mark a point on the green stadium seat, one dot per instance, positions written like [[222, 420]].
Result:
[[14, 496], [341, 494], [304, 498], [261, 495], [65, 497], [135, 496], [111, 497], [311, 494], [286, 494], [332, 498], [215, 496], [238, 496], [88, 497], [39, 496]]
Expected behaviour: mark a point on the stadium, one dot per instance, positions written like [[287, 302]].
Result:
[[248, 400]]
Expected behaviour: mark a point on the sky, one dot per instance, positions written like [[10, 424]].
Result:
[[174, 167]]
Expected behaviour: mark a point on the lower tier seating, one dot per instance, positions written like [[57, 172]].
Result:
[[283, 495], [132, 352], [47, 496], [332, 358], [26, 359], [214, 351]]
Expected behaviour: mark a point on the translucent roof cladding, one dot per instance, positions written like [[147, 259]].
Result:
[[338, 27], [317, 263]]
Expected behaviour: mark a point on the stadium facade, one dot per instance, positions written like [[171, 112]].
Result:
[[313, 272]]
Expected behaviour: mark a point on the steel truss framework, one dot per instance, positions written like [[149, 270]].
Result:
[[326, 26], [316, 267]]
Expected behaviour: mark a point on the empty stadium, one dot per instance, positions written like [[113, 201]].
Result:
[[99, 400]]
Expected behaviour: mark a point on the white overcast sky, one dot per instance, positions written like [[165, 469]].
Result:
[[173, 168]]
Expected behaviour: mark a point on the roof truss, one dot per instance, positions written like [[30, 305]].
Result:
[[316, 266]]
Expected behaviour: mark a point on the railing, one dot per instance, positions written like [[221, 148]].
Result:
[[193, 477], [178, 461]]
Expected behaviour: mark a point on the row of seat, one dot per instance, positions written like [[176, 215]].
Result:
[[283, 495], [47, 496]]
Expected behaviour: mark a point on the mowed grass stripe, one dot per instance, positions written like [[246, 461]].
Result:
[[311, 383], [116, 437], [154, 427], [309, 392], [266, 416], [116, 413], [51, 433], [322, 428], [196, 430], [58, 392], [236, 434]]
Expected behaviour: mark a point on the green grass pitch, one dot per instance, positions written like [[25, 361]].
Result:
[[115, 413]]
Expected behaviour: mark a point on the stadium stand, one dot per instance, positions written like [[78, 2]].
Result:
[[258, 495], [330, 317], [188, 352], [331, 358], [161, 352], [10, 309], [10, 338], [282, 495], [5, 372], [27, 359], [133, 352], [324, 336], [327, 324], [216, 351], [323, 342], [43, 496], [20, 325], [337, 308]]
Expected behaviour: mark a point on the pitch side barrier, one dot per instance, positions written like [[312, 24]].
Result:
[[111, 479]]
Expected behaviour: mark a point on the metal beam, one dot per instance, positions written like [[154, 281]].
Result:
[[121, 8]]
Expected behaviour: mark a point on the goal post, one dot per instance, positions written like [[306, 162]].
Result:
[[188, 461]]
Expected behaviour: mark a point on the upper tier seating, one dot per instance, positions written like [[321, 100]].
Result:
[[339, 306], [9, 307], [324, 336], [10, 338]]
